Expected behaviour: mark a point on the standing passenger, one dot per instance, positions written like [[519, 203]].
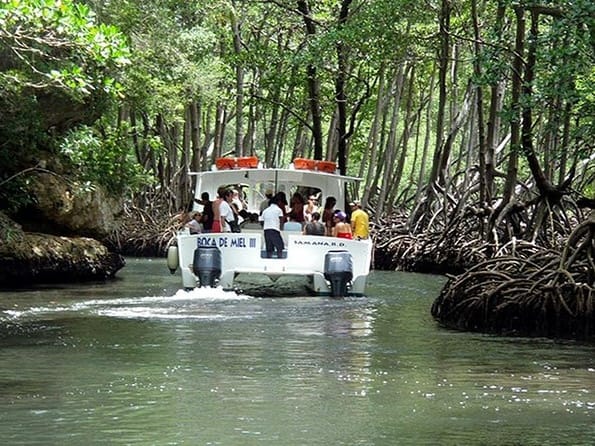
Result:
[[297, 208], [225, 211], [207, 212], [217, 226], [238, 206], [310, 207], [360, 221], [327, 214], [272, 218], [267, 201], [281, 200]]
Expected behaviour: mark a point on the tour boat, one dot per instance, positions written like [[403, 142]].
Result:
[[331, 266]]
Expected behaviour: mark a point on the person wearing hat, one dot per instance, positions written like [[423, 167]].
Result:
[[360, 221], [342, 229], [265, 203]]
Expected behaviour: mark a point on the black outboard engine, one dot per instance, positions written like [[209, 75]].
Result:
[[207, 265], [338, 270]]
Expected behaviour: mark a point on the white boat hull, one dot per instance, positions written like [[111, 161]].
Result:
[[243, 253]]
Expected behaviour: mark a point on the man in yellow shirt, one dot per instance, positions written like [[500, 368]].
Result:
[[360, 222]]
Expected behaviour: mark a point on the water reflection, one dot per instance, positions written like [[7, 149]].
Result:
[[141, 362]]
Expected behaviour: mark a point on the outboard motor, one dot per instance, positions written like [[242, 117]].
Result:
[[338, 270], [207, 265]]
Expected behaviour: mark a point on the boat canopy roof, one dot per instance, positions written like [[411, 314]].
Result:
[[253, 183]]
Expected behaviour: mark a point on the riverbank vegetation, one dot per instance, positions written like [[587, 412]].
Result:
[[471, 124]]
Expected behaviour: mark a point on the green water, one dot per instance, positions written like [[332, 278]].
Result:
[[139, 362]]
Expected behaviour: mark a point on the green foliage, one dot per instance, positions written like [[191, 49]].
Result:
[[12, 195], [174, 54], [107, 160], [54, 57], [49, 44]]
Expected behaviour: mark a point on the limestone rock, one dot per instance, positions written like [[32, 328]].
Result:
[[46, 258], [27, 258], [67, 206]]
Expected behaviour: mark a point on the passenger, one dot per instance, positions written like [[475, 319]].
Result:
[[327, 215], [194, 225], [360, 221], [297, 208], [314, 227], [281, 200], [239, 205], [207, 212], [217, 226], [292, 225], [225, 211], [237, 220], [342, 229], [272, 218], [265, 203], [311, 207], [252, 222]]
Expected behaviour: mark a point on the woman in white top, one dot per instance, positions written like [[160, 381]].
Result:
[[225, 211]]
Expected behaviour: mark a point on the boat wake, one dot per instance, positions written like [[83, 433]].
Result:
[[192, 304]]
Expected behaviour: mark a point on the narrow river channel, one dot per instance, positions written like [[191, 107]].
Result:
[[138, 361]]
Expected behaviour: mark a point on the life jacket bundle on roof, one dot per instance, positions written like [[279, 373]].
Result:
[[310, 164], [244, 162]]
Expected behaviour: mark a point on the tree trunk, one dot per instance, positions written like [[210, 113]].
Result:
[[313, 84], [426, 147], [484, 192], [408, 123], [372, 145], [195, 136], [512, 170], [391, 145], [239, 68], [543, 184], [442, 87], [219, 131], [340, 95]]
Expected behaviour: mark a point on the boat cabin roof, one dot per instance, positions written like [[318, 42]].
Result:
[[253, 183]]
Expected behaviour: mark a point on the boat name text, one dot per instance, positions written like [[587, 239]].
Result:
[[318, 243], [250, 242], [227, 242]]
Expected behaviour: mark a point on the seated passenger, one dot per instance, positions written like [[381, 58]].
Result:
[[251, 222], [292, 225], [314, 227], [194, 224], [342, 229]]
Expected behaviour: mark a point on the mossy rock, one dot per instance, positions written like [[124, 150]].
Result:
[[27, 258]]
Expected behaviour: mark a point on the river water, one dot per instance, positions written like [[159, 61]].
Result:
[[137, 361]]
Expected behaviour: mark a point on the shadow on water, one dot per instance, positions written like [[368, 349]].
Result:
[[29, 333], [259, 286]]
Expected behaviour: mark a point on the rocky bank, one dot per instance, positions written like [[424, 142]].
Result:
[[55, 238]]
